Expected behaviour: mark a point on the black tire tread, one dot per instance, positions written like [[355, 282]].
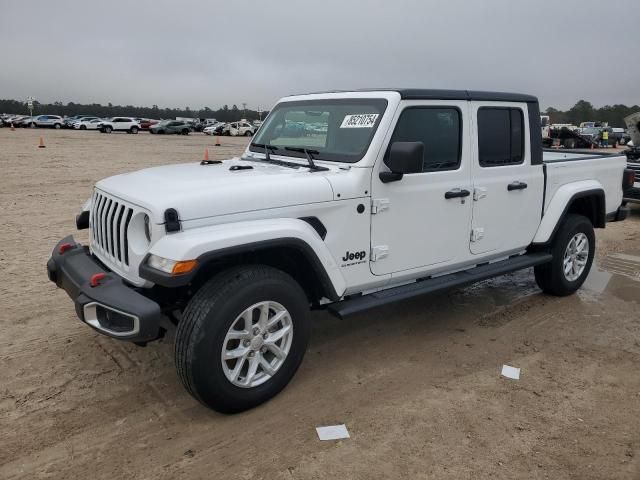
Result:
[[215, 290], [549, 276]]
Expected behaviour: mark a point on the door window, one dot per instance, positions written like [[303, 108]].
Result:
[[500, 136], [439, 129]]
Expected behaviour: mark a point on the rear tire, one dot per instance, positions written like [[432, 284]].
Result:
[[185, 131], [553, 277], [248, 133], [134, 130], [83, 127], [209, 326], [57, 126]]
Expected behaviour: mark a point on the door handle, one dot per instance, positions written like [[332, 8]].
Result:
[[516, 186], [457, 193]]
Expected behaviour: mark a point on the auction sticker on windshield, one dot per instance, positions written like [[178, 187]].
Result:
[[364, 120]]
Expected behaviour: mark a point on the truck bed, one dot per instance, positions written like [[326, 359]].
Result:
[[606, 169]]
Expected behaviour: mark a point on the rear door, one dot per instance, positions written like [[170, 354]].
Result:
[[508, 188], [423, 220]]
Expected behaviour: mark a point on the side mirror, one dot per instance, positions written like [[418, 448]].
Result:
[[404, 157]]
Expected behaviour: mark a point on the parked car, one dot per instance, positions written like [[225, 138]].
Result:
[[82, 119], [171, 126], [236, 129], [214, 129], [87, 124], [119, 124], [69, 121], [146, 123], [233, 255], [620, 136], [23, 121], [51, 121]]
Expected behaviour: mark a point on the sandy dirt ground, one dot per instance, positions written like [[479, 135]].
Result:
[[417, 384]]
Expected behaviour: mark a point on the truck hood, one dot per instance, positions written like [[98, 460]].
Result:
[[200, 191]]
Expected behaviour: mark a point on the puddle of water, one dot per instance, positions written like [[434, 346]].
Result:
[[618, 275]]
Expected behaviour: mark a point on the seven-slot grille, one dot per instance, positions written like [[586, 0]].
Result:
[[109, 223]]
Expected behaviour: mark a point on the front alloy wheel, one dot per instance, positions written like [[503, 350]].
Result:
[[242, 337], [257, 344]]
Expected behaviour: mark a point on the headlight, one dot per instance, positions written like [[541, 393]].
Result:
[[172, 267]]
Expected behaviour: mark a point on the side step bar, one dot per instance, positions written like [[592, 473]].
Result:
[[429, 285]]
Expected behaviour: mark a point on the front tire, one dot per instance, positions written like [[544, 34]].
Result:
[[242, 337], [573, 249]]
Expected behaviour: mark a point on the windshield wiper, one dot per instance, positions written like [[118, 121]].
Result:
[[309, 154], [267, 149]]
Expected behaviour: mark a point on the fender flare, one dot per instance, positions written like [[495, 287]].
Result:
[[559, 206], [206, 244]]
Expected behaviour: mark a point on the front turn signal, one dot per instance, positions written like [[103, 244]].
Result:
[[184, 266]]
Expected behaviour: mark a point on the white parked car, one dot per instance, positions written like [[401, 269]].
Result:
[[407, 192], [90, 124], [119, 124], [239, 129], [54, 121]]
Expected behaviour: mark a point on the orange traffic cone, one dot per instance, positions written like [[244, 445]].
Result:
[[206, 155], [41, 143], [217, 144]]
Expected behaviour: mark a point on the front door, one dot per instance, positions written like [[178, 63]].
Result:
[[423, 219], [508, 189]]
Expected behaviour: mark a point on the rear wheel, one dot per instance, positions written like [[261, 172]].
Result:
[[134, 130], [57, 126], [247, 133], [242, 337], [572, 249], [185, 131], [83, 127]]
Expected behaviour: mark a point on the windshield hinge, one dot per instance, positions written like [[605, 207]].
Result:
[[379, 204]]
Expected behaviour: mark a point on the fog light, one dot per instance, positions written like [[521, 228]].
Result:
[[114, 321]]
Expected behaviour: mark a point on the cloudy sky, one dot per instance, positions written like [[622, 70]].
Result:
[[197, 53]]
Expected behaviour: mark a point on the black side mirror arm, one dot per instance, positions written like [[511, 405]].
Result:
[[388, 177]]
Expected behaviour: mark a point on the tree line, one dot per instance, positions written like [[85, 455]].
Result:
[[224, 114], [584, 111]]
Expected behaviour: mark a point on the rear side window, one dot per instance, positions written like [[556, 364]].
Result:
[[500, 136], [439, 128]]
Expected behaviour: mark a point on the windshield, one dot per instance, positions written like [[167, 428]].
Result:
[[339, 130]]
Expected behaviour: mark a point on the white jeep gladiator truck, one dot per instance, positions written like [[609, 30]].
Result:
[[389, 194]]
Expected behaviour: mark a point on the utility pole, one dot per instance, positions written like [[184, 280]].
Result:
[[30, 105], [244, 110]]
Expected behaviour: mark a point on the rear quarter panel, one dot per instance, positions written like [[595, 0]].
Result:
[[568, 177]]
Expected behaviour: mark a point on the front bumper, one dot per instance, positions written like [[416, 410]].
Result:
[[111, 307]]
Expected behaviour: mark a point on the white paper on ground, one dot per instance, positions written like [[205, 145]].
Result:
[[332, 432], [511, 372]]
